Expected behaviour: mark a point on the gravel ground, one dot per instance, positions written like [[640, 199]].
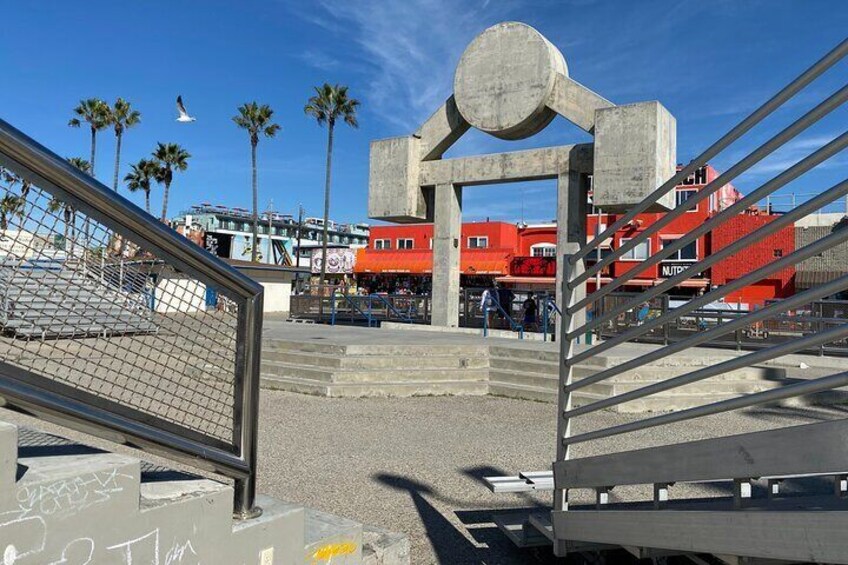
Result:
[[413, 465]]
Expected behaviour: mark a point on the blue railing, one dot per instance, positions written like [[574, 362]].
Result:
[[548, 304], [515, 326]]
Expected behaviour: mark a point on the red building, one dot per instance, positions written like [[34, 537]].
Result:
[[525, 256]]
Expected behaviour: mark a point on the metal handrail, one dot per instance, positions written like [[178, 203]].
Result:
[[514, 326], [349, 300], [391, 307], [31, 393], [546, 316]]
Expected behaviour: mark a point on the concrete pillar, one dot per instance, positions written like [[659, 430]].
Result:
[[447, 234], [572, 190]]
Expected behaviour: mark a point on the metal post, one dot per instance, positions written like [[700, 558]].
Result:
[[332, 308], [566, 376], [246, 411]]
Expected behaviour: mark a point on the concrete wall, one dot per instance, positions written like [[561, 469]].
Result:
[[277, 296], [179, 295]]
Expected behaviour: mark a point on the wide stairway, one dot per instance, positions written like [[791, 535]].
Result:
[[376, 369], [534, 375], [62, 502], [51, 301]]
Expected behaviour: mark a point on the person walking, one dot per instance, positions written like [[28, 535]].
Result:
[[487, 305]]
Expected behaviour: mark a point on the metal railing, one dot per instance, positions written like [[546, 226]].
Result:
[[658, 467], [809, 318], [116, 325], [496, 308]]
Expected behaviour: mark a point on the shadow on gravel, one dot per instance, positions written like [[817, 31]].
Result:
[[452, 546]]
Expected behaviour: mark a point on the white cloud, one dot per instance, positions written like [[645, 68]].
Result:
[[410, 49]]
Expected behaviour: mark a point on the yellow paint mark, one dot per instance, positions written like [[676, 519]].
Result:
[[327, 552]]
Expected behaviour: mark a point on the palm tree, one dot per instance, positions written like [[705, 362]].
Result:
[[256, 119], [327, 105], [95, 112], [169, 157], [121, 117], [70, 212], [139, 178]]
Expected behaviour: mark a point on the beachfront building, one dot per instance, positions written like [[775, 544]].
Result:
[[283, 239]]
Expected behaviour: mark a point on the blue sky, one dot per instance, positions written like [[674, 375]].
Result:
[[709, 62]]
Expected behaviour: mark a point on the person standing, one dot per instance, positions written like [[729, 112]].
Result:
[[529, 307]]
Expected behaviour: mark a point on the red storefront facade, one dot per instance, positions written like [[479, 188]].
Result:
[[524, 256]]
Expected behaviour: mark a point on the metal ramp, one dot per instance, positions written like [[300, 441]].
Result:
[[51, 299], [657, 509]]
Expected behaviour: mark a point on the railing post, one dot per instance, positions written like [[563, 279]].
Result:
[[566, 375], [332, 308], [246, 405]]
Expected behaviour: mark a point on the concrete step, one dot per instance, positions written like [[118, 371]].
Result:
[[705, 387], [384, 389], [382, 547], [331, 539], [524, 365], [376, 349], [328, 375], [537, 380], [525, 392], [373, 361], [505, 351]]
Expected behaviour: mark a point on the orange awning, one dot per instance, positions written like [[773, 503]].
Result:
[[472, 262], [401, 262]]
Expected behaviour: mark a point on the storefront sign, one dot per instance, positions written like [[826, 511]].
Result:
[[668, 270]]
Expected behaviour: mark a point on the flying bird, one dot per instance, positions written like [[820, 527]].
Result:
[[184, 117]]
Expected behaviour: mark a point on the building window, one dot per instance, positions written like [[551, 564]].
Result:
[[688, 252], [778, 252], [478, 242], [639, 253], [543, 250], [382, 244], [686, 194], [404, 244]]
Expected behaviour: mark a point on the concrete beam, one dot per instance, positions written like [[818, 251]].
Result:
[[440, 131], [446, 248], [534, 164], [576, 103]]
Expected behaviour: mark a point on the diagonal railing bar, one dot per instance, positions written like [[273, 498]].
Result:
[[758, 115], [391, 307], [766, 149], [787, 176], [747, 360], [784, 220], [793, 258], [764, 397]]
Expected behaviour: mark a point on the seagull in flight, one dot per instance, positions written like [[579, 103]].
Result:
[[184, 117]]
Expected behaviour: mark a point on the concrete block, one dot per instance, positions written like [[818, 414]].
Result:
[[635, 152], [331, 539], [382, 547], [8, 462], [393, 190]]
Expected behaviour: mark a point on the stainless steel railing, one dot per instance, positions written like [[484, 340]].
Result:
[[576, 302], [116, 325]]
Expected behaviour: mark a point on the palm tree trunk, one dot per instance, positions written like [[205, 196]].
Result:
[[147, 200], [254, 248], [165, 201], [117, 160], [93, 149], [327, 203]]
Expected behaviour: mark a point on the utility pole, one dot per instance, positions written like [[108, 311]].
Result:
[[270, 231], [297, 251]]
